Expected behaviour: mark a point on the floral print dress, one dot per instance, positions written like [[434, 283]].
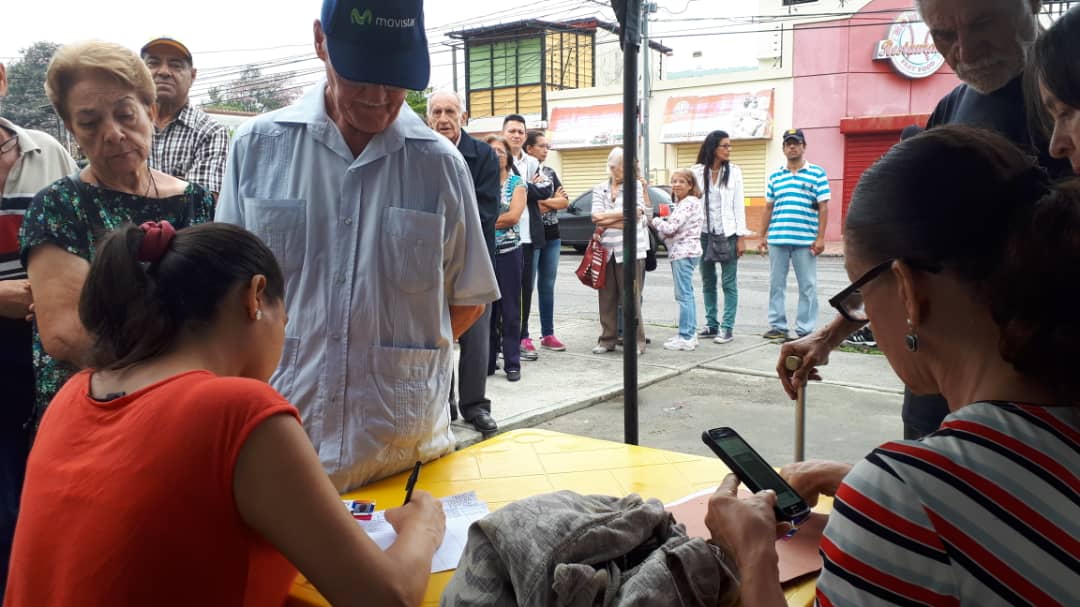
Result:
[[75, 215]]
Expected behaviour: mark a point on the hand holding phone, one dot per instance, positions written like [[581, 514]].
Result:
[[756, 473]]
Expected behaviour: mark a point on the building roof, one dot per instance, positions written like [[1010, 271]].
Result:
[[511, 30]]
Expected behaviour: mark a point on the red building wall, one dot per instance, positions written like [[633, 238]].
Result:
[[837, 78]]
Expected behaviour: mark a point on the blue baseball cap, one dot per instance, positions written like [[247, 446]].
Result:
[[378, 41]]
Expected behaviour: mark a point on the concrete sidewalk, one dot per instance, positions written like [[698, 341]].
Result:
[[562, 382]]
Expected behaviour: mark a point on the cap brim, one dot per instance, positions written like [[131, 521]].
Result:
[[173, 44], [408, 70], [799, 139]]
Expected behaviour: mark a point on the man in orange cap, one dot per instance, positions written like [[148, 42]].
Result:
[[188, 143]]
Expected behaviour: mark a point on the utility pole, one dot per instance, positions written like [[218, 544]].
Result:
[[646, 86], [453, 60], [630, 35]]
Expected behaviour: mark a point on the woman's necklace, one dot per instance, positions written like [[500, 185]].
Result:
[[150, 183]]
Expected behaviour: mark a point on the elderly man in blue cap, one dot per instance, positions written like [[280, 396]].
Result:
[[372, 216]]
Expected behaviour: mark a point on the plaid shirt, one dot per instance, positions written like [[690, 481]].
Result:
[[193, 148]]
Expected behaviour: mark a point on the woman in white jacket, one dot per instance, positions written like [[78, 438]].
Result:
[[725, 213]]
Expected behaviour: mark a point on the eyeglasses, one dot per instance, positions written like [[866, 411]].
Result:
[[9, 145], [849, 302], [542, 145]]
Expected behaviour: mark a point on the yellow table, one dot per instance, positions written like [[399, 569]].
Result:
[[522, 463]]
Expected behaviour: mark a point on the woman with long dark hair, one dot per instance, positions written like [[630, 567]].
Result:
[[546, 258], [721, 182], [509, 260]]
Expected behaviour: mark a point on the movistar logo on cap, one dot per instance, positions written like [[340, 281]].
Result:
[[366, 18], [359, 18]]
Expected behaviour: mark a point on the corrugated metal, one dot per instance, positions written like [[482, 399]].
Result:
[[750, 155], [582, 169], [861, 151]]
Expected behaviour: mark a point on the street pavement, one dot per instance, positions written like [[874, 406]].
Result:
[[683, 393]]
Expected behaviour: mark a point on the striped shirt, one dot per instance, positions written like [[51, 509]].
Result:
[[193, 148], [42, 160], [612, 239], [985, 511], [794, 195], [508, 239]]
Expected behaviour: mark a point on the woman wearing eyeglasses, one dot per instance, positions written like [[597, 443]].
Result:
[[722, 183], [969, 277]]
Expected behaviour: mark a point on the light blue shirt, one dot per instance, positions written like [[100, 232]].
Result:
[[375, 249]]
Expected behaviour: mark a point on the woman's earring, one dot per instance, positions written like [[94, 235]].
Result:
[[258, 314], [912, 338]]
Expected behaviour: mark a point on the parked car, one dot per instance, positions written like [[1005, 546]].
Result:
[[575, 221]]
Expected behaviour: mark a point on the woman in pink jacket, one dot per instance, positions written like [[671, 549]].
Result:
[[681, 231]]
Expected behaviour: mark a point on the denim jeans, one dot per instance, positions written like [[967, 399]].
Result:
[[805, 264], [730, 284], [545, 267], [506, 313], [682, 273]]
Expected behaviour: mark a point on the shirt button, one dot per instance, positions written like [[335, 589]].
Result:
[[348, 221], [341, 280]]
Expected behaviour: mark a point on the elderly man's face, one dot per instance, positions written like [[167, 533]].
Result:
[[172, 72], [357, 107], [445, 115], [985, 42]]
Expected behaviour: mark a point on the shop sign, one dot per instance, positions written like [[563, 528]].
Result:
[[586, 127], [741, 115], [910, 48]]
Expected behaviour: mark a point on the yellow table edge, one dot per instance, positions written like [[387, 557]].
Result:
[[455, 469]]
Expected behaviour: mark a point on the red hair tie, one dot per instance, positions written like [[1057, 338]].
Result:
[[156, 238]]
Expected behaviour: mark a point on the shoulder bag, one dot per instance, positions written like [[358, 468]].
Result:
[[716, 249], [592, 271]]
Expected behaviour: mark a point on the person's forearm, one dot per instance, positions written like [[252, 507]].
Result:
[[838, 330], [766, 218], [15, 299], [412, 551], [759, 583], [823, 220]]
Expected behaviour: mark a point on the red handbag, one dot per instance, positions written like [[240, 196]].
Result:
[[592, 271]]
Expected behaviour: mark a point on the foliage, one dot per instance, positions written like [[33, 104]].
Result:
[[254, 92], [26, 104], [417, 100]]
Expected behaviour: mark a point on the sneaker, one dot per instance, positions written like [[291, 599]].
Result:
[[528, 351], [685, 345], [862, 337], [551, 342], [709, 332], [775, 334], [601, 349], [724, 337]]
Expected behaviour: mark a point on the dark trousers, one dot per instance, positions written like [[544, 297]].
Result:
[[472, 369], [17, 398], [506, 313], [922, 414], [528, 283]]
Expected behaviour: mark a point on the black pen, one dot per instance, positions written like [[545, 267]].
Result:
[[412, 482]]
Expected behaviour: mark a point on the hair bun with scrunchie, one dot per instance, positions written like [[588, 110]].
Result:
[[157, 235]]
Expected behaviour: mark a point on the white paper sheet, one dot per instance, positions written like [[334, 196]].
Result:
[[461, 511]]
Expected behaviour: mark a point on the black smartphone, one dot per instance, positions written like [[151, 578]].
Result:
[[756, 473]]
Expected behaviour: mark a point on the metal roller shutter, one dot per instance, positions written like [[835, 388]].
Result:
[[582, 169], [861, 151], [750, 155]]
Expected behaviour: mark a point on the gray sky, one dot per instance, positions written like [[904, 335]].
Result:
[[224, 35]]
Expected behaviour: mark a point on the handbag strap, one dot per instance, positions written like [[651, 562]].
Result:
[[708, 186]]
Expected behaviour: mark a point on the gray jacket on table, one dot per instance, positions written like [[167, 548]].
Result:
[[569, 550]]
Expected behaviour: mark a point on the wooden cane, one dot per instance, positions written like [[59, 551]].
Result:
[[792, 363]]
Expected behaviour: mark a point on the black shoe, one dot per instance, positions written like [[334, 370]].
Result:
[[513, 375], [484, 423], [775, 334], [709, 332], [862, 337]]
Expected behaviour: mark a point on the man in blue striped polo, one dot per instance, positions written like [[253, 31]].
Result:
[[796, 211]]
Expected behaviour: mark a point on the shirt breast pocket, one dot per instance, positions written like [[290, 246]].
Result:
[[412, 247], [282, 225]]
